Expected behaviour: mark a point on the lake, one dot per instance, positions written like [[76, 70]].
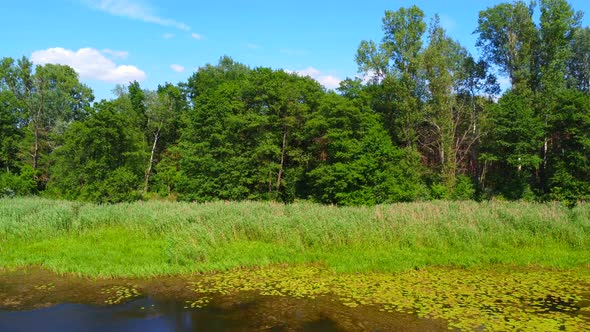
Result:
[[295, 299]]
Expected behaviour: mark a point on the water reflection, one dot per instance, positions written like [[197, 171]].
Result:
[[37, 300], [146, 315]]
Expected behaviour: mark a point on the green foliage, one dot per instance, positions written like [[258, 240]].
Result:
[[513, 144], [44, 99], [395, 67], [101, 159], [10, 133], [246, 139], [508, 37], [137, 111], [464, 189], [119, 186], [356, 164], [569, 167], [558, 23], [424, 122], [21, 184], [439, 191], [579, 64]]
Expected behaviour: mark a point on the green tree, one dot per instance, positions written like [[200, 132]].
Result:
[[138, 109], [211, 161], [508, 38], [101, 159], [558, 24], [512, 145], [579, 63], [354, 161], [447, 131], [286, 101], [243, 137], [10, 120], [49, 98], [569, 159], [395, 66], [539, 61], [163, 109]]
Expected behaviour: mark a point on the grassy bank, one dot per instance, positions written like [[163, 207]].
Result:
[[152, 238]]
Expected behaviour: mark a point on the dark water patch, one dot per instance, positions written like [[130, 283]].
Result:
[[322, 324], [557, 304], [140, 315], [149, 314]]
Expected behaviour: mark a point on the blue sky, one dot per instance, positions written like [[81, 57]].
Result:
[[115, 41]]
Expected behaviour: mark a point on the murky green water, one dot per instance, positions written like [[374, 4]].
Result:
[[36, 300], [299, 299]]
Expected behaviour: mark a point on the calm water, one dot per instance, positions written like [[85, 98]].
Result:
[[36, 300], [145, 314]]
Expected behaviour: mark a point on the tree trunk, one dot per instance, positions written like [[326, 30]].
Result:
[[36, 120], [282, 160], [149, 169], [543, 175], [36, 148]]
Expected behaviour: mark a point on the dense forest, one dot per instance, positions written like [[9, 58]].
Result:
[[424, 120]]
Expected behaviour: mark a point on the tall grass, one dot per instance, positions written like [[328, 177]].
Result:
[[153, 238]]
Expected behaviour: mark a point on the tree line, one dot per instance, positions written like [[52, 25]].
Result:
[[426, 120]]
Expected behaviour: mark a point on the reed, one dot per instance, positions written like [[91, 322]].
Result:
[[155, 238]]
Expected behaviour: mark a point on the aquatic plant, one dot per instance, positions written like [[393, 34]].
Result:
[[118, 294], [482, 299]]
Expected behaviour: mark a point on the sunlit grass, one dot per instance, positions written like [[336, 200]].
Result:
[[154, 238]]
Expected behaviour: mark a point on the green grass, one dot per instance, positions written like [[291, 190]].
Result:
[[155, 238]]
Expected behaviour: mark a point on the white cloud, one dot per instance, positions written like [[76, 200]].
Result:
[[252, 46], [328, 81], [196, 36], [133, 9], [116, 54], [292, 52], [309, 71], [168, 35], [89, 63], [177, 68]]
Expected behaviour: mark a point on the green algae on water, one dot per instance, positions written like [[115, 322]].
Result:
[[118, 294], [467, 299]]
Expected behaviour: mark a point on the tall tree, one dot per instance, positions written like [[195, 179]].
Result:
[[569, 164], [163, 109], [51, 96], [212, 162], [579, 63], [10, 121], [448, 131], [395, 64], [512, 145], [558, 24], [507, 38], [138, 109], [354, 161], [101, 159], [476, 90]]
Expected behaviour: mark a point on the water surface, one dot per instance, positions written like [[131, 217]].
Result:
[[37, 300]]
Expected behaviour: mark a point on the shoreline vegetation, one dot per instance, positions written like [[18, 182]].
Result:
[[424, 120], [156, 238]]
